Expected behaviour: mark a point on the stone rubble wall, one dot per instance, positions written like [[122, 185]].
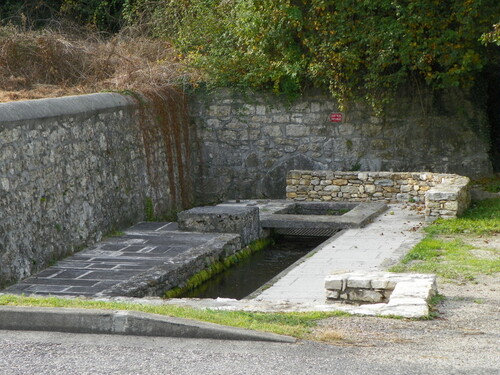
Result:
[[444, 195], [72, 170], [75, 168], [247, 142]]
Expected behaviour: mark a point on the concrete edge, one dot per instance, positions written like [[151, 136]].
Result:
[[63, 106], [144, 283], [123, 323]]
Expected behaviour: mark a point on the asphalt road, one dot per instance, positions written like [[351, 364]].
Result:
[[24, 352]]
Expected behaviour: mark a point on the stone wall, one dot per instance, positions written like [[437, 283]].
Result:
[[74, 169], [247, 142], [444, 195]]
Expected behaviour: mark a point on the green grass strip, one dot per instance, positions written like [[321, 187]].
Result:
[[481, 218], [297, 325], [454, 259], [449, 259]]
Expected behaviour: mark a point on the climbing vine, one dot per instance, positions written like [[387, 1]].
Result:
[[164, 121]]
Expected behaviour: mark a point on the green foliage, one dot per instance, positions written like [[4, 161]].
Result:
[[492, 36], [104, 15], [357, 49]]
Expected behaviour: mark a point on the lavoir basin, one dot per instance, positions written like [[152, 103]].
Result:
[[251, 273], [150, 259]]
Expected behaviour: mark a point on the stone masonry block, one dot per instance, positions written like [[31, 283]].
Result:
[[335, 282], [371, 296], [332, 294], [381, 284], [359, 282], [222, 219], [297, 130], [437, 195]]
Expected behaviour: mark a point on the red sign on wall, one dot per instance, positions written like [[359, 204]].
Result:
[[335, 117]]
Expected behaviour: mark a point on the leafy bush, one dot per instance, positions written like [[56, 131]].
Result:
[[355, 48], [103, 15]]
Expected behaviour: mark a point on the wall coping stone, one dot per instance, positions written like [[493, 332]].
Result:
[[59, 107]]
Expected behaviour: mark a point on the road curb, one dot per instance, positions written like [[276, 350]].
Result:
[[123, 323]]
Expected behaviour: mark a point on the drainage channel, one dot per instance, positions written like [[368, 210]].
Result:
[[250, 274]]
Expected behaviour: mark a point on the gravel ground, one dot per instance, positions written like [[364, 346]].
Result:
[[463, 340], [465, 337]]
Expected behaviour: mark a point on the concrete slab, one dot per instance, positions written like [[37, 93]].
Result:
[[374, 247], [159, 247]]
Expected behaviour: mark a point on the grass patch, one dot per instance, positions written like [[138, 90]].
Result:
[[298, 325], [448, 259], [491, 184], [482, 217], [454, 259]]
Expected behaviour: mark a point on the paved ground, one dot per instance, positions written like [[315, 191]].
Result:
[[113, 261], [373, 247], [394, 353], [96, 270]]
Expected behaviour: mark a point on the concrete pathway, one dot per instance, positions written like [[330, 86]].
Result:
[[374, 247]]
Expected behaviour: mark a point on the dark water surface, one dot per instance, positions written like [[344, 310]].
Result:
[[251, 273]]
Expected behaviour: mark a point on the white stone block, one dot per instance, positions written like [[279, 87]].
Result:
[[406, 311], [414, 289], [380, 284], [334, 282], [359, 282], [396, 301]]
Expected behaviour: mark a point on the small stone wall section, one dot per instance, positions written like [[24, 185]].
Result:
[[222, 219], [406, 295], [444, 195]]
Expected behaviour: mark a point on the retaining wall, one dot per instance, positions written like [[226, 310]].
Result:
[[74, 169], [248, 142]]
